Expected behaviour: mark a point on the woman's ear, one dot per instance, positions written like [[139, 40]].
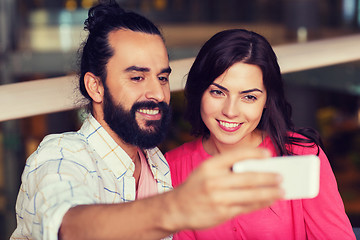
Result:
[[94, 87]]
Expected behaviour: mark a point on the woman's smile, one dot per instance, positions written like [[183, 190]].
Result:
[[229, 126]]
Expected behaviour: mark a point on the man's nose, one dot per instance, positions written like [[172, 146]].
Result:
[[155, 90]]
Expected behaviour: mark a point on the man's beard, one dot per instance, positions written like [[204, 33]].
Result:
[[124, 123]]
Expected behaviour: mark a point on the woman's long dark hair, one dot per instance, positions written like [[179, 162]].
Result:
[[237, 45]]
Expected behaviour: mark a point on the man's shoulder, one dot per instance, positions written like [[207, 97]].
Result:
[[53, 144], [72, 139], [57, 148]]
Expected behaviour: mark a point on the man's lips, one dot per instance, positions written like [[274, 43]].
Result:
[[229, 126], [150, 114], [149, 111]]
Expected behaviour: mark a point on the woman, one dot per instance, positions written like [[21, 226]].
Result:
[[235, 97]]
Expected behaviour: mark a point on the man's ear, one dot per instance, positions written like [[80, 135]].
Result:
[[94, 87]]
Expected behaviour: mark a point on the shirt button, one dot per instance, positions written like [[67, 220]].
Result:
[[235, 229]]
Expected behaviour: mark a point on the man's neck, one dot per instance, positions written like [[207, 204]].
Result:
[[131, 150]]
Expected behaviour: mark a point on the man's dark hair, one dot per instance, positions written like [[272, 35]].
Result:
[[96, 50]]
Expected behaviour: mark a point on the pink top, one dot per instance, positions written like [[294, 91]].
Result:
[[322, 217], [147, 184]]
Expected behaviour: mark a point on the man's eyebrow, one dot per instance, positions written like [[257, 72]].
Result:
[[166, 70], [145, 69], [137, 69], [242, 92]]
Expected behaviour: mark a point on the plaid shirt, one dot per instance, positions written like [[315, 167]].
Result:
[[69, 169]]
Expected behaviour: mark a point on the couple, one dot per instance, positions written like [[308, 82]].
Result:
[[109, 181]]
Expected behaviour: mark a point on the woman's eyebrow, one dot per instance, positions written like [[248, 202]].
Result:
[[242, 92], [251, 90], [221, 87]]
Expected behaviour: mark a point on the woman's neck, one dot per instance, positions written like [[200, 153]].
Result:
[[213, 147]]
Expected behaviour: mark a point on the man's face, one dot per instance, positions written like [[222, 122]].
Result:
[[125, 125], [136, 92]]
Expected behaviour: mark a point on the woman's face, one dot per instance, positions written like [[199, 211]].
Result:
[[231, 107]]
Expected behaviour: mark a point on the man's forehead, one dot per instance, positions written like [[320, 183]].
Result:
[[136, 51], [129, 38]]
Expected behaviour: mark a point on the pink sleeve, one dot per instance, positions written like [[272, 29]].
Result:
[[325, 216], [184, 235]]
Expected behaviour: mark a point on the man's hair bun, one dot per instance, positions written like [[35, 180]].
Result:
[[104, 12]]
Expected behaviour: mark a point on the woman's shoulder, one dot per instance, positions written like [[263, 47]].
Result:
[[293, 134], [303, 148], [303, 145]]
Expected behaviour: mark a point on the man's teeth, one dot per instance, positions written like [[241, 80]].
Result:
[[149, 111], [229, 125]]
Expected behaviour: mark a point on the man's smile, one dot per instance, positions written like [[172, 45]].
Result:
[[149, 111], [150, 114]]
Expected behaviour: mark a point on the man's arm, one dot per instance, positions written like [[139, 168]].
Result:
[[211, 195]]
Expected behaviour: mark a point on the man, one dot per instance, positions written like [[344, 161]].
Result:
[[83, 185]]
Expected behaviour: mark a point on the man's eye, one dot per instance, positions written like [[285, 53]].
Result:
[[164, 79], [137, 78]]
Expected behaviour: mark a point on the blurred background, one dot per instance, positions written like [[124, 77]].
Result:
[[40, 38]]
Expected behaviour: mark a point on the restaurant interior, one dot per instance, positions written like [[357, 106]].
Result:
[[39, 39]]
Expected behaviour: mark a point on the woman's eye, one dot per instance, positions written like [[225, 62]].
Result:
[[216, 92], [250, 98]]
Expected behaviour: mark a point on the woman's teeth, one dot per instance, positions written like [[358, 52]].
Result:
[[229, 125]]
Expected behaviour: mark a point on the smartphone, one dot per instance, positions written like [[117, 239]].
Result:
[[300, 173]]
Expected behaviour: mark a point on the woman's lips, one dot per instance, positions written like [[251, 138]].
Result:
[[229, 126]]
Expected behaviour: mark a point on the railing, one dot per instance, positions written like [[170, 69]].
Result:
[[31, 98]]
